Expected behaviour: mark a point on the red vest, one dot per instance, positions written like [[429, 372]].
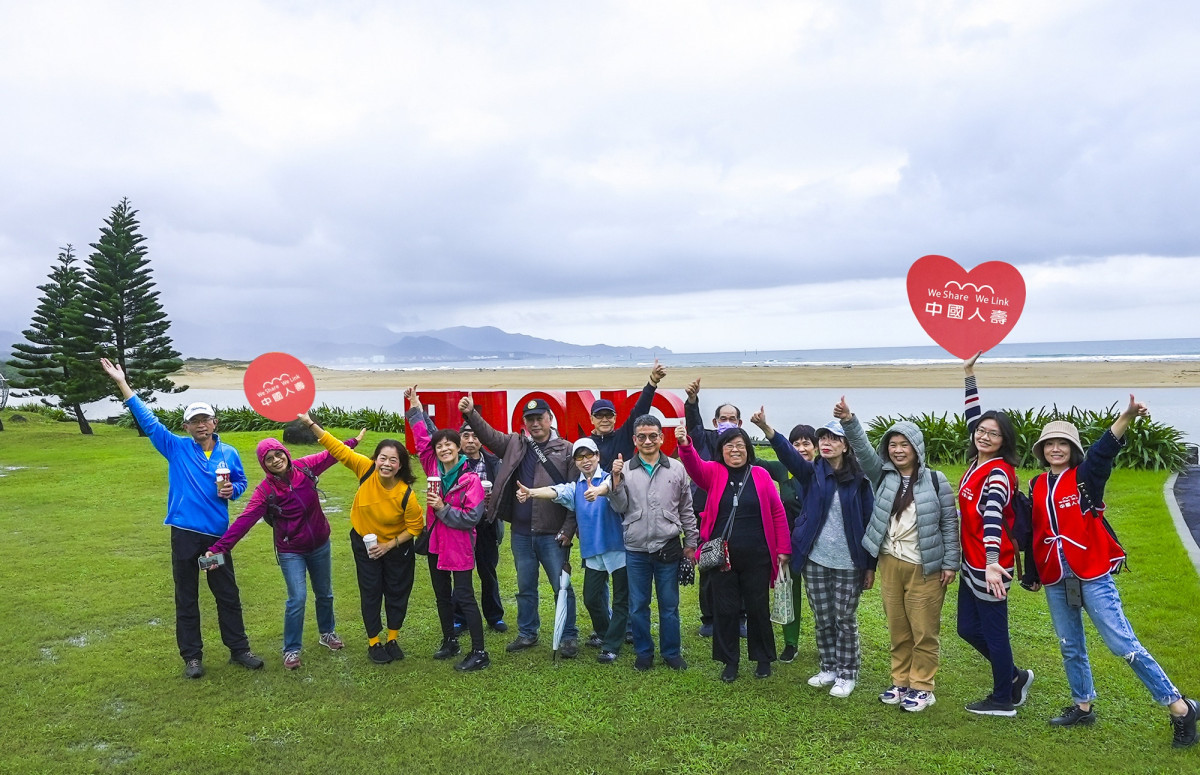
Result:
[[1058, 520], [969, 490]]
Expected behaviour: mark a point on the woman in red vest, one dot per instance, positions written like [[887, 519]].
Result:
[[1075, 553], [988, 554]]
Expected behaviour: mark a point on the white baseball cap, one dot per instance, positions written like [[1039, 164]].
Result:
[[584, 443], [196, 409]]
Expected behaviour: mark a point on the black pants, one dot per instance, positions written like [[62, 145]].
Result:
[[388, 580], [186, 548], [610, 626], [460, 601], [487, 558], [745, 586]]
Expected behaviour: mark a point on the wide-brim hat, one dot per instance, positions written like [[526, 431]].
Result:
[[1058, 429]]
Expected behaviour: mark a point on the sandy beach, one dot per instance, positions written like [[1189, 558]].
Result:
[[1120, 374]]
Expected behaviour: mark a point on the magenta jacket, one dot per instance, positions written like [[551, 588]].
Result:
[[454, 546], [301, 525], [712, 477]]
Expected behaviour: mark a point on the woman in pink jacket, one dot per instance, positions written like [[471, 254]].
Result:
[[744, 506], [455, 505]]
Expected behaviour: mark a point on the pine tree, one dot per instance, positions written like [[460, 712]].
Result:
[[58, 358], [123, 312]]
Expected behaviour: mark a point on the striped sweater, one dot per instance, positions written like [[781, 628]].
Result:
[[984, 495]]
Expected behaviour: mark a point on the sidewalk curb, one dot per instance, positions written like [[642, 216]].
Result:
[[1181, 527]]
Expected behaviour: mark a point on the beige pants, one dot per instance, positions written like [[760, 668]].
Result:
[[912, 603]]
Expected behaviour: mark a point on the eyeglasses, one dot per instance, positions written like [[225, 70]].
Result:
[[648, 436], [989, 434], [202, 419], [739, 447]]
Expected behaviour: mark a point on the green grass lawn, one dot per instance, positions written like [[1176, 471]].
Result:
[[91, 677]]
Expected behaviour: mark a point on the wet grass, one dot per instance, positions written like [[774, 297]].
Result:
[[91, 676]]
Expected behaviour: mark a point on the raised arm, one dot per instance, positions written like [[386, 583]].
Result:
[[645, 401], [972, 409], [320, 462], [357, 463], [699, 470], [787, 454], [488, 436], [415, 422], [1097, 465], [868, 458], [162, 438]]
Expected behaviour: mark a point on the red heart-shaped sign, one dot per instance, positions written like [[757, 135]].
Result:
[[278, 386], [965, 312]]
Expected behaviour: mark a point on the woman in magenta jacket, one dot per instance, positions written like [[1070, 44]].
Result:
[[759, 543]]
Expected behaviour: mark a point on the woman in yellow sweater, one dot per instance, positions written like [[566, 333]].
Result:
[[386, 507]]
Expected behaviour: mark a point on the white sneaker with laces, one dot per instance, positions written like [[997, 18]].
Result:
[[823, 678], [894, 695], [842, 687], [917, 701]]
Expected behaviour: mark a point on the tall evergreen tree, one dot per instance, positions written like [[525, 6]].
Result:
[[58, 360], [123, 310]]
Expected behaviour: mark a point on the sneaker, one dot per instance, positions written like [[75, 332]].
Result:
[[705, 630], [476, 660], [989, 707], [522, 642], [291, 660], [606, 657], [642, 664], [763, 670], [894, 695], [331, 641], [1021, 686], [842, 687], [917, 700], [394, 651], [789, 653], [594, 641], [1072, 715], [678, 663], [823, 678], [378, 654], [246, 659], [730, 673], [569, 648], [1184, 727], [498, 626], [193, 668], [449, 649]]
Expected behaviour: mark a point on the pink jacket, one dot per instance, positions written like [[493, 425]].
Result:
[[713, 477], [454, 547]]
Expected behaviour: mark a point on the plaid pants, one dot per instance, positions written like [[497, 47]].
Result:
[[833, 596]]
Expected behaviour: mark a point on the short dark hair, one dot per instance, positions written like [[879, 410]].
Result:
[[1008, 437], [405, 474], [647, 419], [445, 434], [736, 411], [802, 431]]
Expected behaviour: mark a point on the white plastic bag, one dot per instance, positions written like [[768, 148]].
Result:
[[783, 610]]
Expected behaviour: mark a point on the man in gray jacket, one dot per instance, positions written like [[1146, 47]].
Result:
[[654, 497]]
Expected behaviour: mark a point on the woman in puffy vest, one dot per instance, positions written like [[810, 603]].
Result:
[[914, 533], [1075, 553]]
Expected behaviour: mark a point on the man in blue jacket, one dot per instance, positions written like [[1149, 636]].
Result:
[[198, 513]]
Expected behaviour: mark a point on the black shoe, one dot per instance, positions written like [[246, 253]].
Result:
[[378, 654], [246, 659], [1021, 684], [705, 630], [1073, 715], [606, 657], [193, 668], [789, 653], [763, 670], [569, 648], [522, 642], [676, 663], [1184, 727], [594, 641], [394, 651], [498, 626], [476, 660], [989, 707], [449, 649], [642, 664], [729, 674]]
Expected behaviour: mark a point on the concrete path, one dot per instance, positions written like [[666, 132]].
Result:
[[1182, 494]]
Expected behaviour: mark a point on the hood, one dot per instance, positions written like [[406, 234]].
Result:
[[909, 431], [265, 446]]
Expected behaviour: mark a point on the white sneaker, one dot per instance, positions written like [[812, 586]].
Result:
[[842, 687], [823, 678], [894, 695], [917, 701]]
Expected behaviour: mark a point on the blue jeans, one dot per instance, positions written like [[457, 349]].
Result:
[[643, 569], [528, 553], [319, 567], [1103, 604]]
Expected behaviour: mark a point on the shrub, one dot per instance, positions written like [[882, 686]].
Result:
[[244, 419]]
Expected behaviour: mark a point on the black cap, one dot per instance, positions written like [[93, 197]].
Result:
[[535, 406]]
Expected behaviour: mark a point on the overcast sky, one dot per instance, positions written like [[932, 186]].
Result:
[[700, 176]]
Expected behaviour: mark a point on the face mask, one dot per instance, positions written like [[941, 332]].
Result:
[[724, 426]]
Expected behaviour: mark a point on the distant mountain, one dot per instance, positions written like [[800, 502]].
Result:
[[492, 340]]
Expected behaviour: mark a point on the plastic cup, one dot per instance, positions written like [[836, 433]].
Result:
[[370, 540]]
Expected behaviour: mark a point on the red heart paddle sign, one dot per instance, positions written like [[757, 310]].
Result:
[[278, 386], [965, 312]]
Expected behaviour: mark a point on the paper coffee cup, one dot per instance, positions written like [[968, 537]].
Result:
[[370, 540], [487, 486]]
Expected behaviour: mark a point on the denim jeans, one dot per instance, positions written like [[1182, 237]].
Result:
[[643, 569], [319, 567], [530, 551], [1103, 604]]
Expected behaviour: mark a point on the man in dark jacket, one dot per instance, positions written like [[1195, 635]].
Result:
[[611, 440], [541, 529]]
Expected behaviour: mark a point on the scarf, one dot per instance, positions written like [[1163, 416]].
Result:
[[450, 478]]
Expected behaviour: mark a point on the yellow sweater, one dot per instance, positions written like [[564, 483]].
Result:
[[376, 509]]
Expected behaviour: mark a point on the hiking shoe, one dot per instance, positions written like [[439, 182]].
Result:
[[394, 651], [642, 664], [569, 648], [378, 654], [594, 641], [789, 653], [246, 659], [705, 630], [917, 700], [1072, 715], [989, 707], [823, 678], [522, 642], [1184, 727], [498, 626], [291, 660], [842, 687], [894, 695], [1021, 686], [678, 663], [193, 668], [730, 673], [449, 649], [331, 641], [606, 657], [763, 670], [476, 660]]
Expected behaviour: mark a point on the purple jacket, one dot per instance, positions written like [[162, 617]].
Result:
[[453, 545], [300, 525]]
